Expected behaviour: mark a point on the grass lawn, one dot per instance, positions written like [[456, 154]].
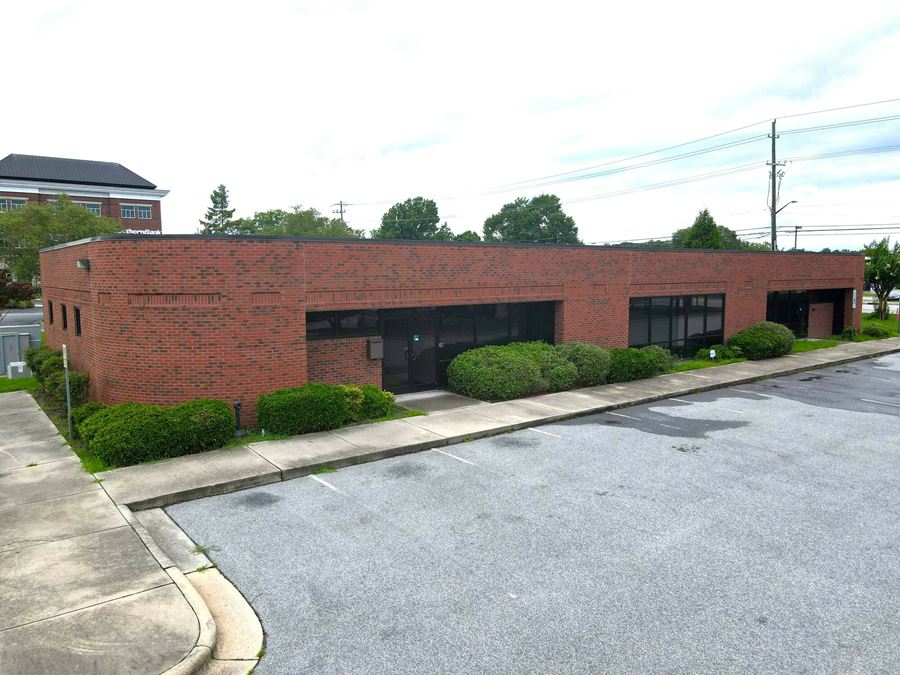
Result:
[[801, 346], [20, 384], [889, 324]]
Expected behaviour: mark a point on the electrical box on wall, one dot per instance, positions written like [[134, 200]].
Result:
[[376, 348]]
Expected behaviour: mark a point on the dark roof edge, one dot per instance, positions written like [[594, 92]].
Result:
[[64, 181], [483, 244]]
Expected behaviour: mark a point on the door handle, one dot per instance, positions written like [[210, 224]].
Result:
[[406, 354]]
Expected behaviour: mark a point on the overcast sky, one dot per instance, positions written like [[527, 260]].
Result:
[[373, 102]]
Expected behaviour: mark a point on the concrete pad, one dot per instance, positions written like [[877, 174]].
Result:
[[144, 633], [239, 633], [147, 486], [571, 401], [15, 434], [454, 424], [172, 540], [61, 576], [45, 481], [236, 667], [397, 436], [34, 452], [294, 456], [58, 518], [436, 401]]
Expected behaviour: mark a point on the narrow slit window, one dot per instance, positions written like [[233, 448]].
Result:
[[77, 321], [65, 318]]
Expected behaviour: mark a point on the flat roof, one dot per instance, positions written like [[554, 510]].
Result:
[[427, 242]]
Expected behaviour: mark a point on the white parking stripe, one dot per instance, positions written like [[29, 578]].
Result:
[[326, 484], [868, 400], [668, 426], [755, 393], [625, 416], [458, 459], [541, 431], [680, 400]]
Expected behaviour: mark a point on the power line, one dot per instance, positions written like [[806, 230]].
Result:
[[845, 107], [838, 125]]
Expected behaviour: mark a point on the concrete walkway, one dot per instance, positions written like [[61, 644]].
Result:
[[220, 471], [79, 589]]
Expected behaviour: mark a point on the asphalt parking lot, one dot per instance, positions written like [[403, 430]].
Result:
[[748, 529]]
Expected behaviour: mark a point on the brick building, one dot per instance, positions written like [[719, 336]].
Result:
[[104, 188], [170, 318]]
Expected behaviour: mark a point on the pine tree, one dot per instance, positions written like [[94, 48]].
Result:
[[218, 215]]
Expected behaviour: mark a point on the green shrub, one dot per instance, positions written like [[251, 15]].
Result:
[[722, 352], [34, 357], [354, 398], [877, 332], [493, 374], [48, 366], [312, 407], [202, 424], [102, 418], [557, 372], [135, 436], [55, 386], [591, 362], [376, 403], [763, 340], [848, 333], [637, 364], [85, 410]]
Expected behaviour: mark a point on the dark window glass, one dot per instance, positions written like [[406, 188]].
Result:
[[457, 331], [518, 326], [492, 324], [539, 322], [319, 325], [715, 315], [679, 319], [638, 321], [65, 318], [660, 310], [695, 312], [77, 321], [790, 308], [363, 322], [50, 311]]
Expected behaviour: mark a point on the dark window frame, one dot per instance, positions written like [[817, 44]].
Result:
[[50, 311], [640, 311], [76, 311], [336, 331], [65, 318]]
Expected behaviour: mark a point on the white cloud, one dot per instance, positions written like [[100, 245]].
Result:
[[366, 102]]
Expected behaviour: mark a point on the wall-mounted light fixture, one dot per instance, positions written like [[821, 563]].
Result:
[[83, 263]]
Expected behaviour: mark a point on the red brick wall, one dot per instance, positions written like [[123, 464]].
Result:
[[342, 361], [110, 208], [167, 319]]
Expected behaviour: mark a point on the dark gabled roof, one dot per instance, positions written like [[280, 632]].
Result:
[[80, 171]]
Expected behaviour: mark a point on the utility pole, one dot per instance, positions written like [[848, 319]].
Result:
[[774, 176], [796, 229], [340, 209]]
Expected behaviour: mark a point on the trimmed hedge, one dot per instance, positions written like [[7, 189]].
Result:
[[82, 412], [763, 340], [301, 410], [877, 332], [35, 357], [47, 366], [722, 352], [493, 374], [637, 364], [591, 362], [376, 402], [557, 372], [130, 433]]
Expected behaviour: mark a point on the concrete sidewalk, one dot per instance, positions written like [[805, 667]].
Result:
[[79, 589], [220, 471]]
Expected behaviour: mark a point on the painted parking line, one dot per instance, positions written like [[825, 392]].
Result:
[[458, 459], [541, 431], [629, 417], [869, 400], [326, 484], [719, 407], [668, 426], [755, 393]]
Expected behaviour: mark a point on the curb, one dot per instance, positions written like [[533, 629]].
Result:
[[201, 654], [279, 475]]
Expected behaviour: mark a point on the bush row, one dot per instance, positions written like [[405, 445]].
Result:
[[130, 433], [500, 373], [46, 365], [318, 407], [763, 340]]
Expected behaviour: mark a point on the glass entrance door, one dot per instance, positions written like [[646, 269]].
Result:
[[409, 350]]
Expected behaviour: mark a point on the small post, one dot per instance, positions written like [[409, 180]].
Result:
[[712, 355], [68, 393], [238, 432]]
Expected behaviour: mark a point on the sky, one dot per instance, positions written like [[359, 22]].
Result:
[[472, 104]]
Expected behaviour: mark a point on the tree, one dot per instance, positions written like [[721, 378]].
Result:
[[23, 232], [704, 233], [218, 215], [298, 222], [882, 271], [537, 220], [416, 218], [468, 235]]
